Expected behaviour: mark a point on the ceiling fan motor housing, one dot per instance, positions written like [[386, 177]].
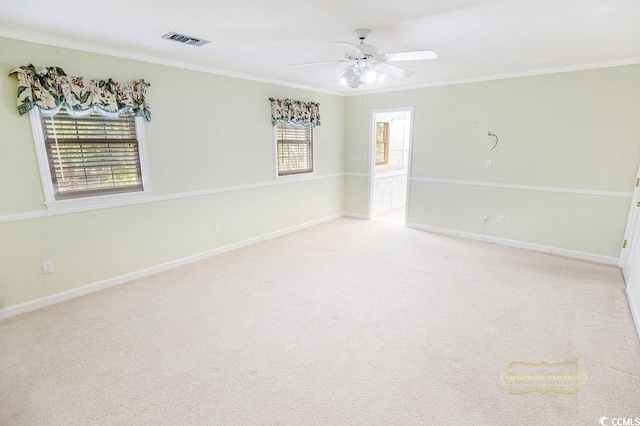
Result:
[[362, 33], [368, 65]]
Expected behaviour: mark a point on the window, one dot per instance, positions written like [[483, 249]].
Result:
[[89, 156], [382, 143], [294, 145]]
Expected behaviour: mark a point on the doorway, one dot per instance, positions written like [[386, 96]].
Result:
[[631, 244], [390, 148]]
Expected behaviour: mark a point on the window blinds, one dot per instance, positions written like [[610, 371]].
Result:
[[295, 149], [92, 155]]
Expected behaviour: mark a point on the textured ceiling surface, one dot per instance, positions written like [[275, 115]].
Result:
[[260, 39]]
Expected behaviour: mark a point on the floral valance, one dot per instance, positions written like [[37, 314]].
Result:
[[288, 111], [50, 89]]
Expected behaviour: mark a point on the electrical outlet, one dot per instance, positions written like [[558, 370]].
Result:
[[218, 227], [501, 220], [421, 209], [47, 267], [301, 208], [488, 162]]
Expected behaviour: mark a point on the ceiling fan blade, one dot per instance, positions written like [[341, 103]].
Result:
[[340, 74], [416, 55], [350, 49], [394, 71], [320, 62], [367, 49]]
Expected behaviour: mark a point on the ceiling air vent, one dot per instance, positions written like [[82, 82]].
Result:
[[185, 39]]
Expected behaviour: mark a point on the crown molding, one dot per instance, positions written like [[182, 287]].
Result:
[[557, 70], [85, 47]]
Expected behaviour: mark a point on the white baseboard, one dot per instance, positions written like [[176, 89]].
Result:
[[635, 311], [520, 244], [110, 282], [356, 215]]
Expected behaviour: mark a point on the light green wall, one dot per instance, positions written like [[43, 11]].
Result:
[[586, 223], [358, 201], [568, 130], [207, 132], [92, 246]]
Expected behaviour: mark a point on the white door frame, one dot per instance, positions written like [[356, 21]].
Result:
[[631, 234], [372, 155]]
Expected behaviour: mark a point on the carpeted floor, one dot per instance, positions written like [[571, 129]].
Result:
[[349, 322]]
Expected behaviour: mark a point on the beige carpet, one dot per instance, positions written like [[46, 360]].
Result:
[[349, 322]]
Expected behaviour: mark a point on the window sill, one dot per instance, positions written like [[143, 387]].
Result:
[[101, 201], [295, 177]]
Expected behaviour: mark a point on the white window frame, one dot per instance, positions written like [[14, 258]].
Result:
[[294, 176], [105, 199]]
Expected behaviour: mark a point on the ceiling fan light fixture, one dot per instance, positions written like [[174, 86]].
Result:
[[370, 66], [360, 74], [370, 75], [351, 77]]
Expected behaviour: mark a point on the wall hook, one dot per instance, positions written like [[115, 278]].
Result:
[[495, 136]]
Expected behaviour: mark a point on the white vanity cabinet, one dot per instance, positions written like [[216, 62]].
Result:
[[390, 191]]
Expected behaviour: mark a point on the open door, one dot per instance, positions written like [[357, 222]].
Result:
[[389, 160], [631, 243]]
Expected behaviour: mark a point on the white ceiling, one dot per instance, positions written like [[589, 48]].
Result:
[[476, 39]]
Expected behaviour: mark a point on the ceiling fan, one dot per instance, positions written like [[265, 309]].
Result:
[[368, 65]]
